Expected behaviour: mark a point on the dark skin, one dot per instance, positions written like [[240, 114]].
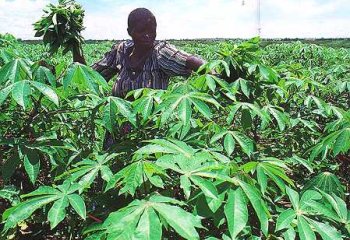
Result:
[[144, 35]]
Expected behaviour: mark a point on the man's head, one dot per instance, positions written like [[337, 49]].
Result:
[[142, 27]]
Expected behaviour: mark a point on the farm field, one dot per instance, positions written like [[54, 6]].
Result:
[[255, 145]]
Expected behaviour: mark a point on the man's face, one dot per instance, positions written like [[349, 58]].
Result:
[[144, 33]]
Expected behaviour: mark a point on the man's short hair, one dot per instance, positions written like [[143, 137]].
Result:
[[138, 15]]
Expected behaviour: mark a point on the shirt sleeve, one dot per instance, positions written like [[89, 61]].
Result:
[[172, 61], [109, 65]]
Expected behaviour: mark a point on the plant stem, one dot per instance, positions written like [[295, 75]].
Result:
[[78, 54]]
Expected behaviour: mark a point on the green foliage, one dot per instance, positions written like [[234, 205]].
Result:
[[7, 40], [61, 26], [143, 219], [326, 182], [242, 154], [62, 196]]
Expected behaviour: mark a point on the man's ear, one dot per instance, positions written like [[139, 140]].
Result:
[[129, 31]]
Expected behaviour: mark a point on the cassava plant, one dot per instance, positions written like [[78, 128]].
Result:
[[61, 27], [247, 153]]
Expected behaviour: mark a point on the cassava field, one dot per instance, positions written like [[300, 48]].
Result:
[[258, 150]]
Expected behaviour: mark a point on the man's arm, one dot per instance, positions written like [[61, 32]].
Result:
[[193, 63], [176, 62], [108, 65]]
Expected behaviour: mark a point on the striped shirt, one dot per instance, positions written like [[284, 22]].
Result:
[[163, 62]]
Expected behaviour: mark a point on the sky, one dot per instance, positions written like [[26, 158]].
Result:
[[189, 19]]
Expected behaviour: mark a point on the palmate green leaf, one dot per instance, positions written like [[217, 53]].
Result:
[[269, 168], [106, 173], [7, 55], [149, 227], [309, 196], [338, 141], [15, 70], [299, 160], [268, 74], [175, 100], [185, 184], [196, 169], [327, 182], [342, 143], [185, 111], [4, 93], [134, 175], [96, 231], [203, 108], [183, 222], [47, 91], [210, 192], [285, 219], [83, 77], [293, 197], [124, 108], [43, 196], [57, 212], [87, 170], [166, 146], [217, 65], [61, 26], [78, 204], [145, 104], [243, 141], [337, 204], [124, 221], [253, 109], [289, 234], [281, 118], [320, 208], [32, 166], [86, 175], [258, 204], [25, 209], [163, 199], [21, 92], [109, 117], [114, 107], [168, 106], [42, 190], [10, 193], [44, 75], [326, 231], [141, 220], [236, 212], [304, 229], [243, 85], [322, 105], [210, 82], [218, 136], [262, 178], [229, 144], [200, 164]]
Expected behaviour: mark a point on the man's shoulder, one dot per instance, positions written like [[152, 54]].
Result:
[[164, 46], [121, 45], [160, 44]]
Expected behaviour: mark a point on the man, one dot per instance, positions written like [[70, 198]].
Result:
[[143, 62]]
